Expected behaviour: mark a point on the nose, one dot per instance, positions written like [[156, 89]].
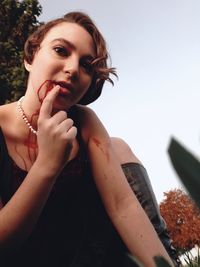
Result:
[[71, 67]]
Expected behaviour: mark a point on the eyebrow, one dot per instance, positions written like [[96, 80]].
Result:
[[89, 56]]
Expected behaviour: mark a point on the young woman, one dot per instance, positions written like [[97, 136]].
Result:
[[65, 200]]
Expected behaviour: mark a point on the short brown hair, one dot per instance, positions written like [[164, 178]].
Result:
[[101, 70]]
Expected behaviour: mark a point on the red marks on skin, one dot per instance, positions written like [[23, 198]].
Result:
[[23, 160], [31, 142], [44, 88], [96, 141], [101, 147], [105, 177]]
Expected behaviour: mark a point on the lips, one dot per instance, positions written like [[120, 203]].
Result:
[[65, 88]]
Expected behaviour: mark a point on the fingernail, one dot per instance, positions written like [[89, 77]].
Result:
[[57, 86]]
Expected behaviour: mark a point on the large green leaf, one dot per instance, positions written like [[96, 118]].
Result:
[[187, 167]]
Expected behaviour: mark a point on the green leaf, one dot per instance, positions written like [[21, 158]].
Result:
[[161, 262], [187, 167]]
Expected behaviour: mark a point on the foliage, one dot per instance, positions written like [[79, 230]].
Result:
[[183, 219], [18, 20], [187, 167], [191, 260]]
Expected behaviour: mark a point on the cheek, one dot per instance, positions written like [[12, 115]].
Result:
[[44, 64], [83, 88], [42, 71], [87, 82]]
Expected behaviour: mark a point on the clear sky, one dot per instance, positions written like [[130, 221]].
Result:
[[155, 46]]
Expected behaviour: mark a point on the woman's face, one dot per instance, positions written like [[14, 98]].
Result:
[[63, 58]]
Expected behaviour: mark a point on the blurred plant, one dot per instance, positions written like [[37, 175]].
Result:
[[183, 219], [133, 262], [191, 260], [187, 167]]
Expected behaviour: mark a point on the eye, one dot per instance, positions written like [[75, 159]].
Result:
[[61, 51], [86, 64]]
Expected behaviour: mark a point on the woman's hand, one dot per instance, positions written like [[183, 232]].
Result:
[[55, 135]]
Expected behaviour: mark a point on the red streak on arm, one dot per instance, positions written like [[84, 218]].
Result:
[[101, 147], [96, 141]]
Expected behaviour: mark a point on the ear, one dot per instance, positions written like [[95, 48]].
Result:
[[27, 66]]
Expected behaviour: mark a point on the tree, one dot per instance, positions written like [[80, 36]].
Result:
[[18, 21], [183, 219]]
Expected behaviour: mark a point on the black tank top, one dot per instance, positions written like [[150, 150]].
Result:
[[73, 229]]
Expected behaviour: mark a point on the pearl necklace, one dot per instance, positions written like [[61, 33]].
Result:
[[21, 111]]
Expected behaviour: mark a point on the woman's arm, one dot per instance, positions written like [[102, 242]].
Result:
[[120, 202], [55, 136], [19, 216]]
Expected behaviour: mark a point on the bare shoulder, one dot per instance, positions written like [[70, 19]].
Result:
[[5, 111], [1, 204], [90, 124], [86, 120], [6, 116], [2, 110], [87, 117], [123, 151], [85, 112], [3, 114]]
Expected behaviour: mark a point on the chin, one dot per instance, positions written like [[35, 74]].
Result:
[[62, 103]]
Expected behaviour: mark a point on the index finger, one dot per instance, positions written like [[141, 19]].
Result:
[[47, 104]]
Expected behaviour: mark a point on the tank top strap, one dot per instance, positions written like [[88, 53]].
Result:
[[74, 115], [5, 170]]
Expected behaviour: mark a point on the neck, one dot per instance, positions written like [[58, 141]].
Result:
[[29, 113]]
